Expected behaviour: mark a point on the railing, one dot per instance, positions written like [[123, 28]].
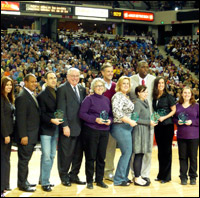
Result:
[[27, 31]]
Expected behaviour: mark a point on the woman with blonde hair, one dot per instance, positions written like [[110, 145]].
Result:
[[187, 120], [122, 127], [7, 125]]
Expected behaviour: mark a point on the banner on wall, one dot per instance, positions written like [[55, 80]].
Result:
[[91, 12], [9, 6], [138, 16]]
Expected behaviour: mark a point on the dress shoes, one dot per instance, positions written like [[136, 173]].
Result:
[[164, 181], [77, 181], [147, 179], [27, 189], [32, 185], [124, 183], [137, 184], [51, 185], [47, 188], [102, 184], [192, 181], [28, 184], [66, 183], [90, 185], [184, 181]]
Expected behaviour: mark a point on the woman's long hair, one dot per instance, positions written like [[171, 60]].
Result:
[[4, 81], [155, 87]]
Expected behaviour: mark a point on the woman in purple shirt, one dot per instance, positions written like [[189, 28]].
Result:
[[95, 131], [187, 135]]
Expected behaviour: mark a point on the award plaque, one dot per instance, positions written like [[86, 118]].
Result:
[[135, 116], [104, 116], [155, 116], [59, 114], [162, 112], [183, 117]]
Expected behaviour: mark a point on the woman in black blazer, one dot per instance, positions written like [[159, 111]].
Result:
[[7, 124]]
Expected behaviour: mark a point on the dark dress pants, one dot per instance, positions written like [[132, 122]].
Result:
[[164, 135], [95, 144], [187, 149], [5, 164], [24, 156], [70, 152]]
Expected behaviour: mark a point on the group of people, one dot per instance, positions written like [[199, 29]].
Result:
[[77, 124]]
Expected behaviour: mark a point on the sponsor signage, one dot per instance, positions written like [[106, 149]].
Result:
[[9, 6], [93, 12], [138, 16], [48, 9], [115, 14]]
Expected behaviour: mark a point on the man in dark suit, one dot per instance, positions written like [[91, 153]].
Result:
[[70, 150], [27, 128], [48, 129]]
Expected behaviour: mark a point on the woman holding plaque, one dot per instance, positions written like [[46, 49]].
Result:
[[122, 127], [96, 113], [141, 133], [7, 125], [165, 105], [187, 121]]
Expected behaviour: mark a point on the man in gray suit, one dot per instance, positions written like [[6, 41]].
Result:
[[70, 150], [143, 78]]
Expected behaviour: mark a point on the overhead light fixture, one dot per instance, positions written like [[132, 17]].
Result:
[[92, 18], [10, 13]]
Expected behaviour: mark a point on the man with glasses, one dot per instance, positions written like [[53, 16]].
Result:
[[70, 151]]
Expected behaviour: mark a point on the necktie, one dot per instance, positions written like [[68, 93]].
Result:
[[76, 94], [35, 100], [143, 82]]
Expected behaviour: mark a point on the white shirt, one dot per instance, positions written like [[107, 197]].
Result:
[[76, 89], [29, 91], [140, 79], [108, 86]]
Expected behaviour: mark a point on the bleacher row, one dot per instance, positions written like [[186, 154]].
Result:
[[38, 54]]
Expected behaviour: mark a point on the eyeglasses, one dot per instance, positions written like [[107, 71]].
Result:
[[99, 86], [75, 76]]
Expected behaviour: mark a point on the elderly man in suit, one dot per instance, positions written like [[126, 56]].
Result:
[[27, 129], [48, 129], [143, 78], [70, 148]]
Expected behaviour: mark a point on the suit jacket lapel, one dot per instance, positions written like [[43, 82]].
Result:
[[137, 80], [30, 97]]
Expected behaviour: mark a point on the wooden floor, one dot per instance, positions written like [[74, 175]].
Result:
[[156, 189]]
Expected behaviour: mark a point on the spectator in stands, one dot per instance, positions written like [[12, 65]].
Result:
[[7, 71], [187, 135], [122, 107], [164, 131], [7, 129], [95, 131]]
